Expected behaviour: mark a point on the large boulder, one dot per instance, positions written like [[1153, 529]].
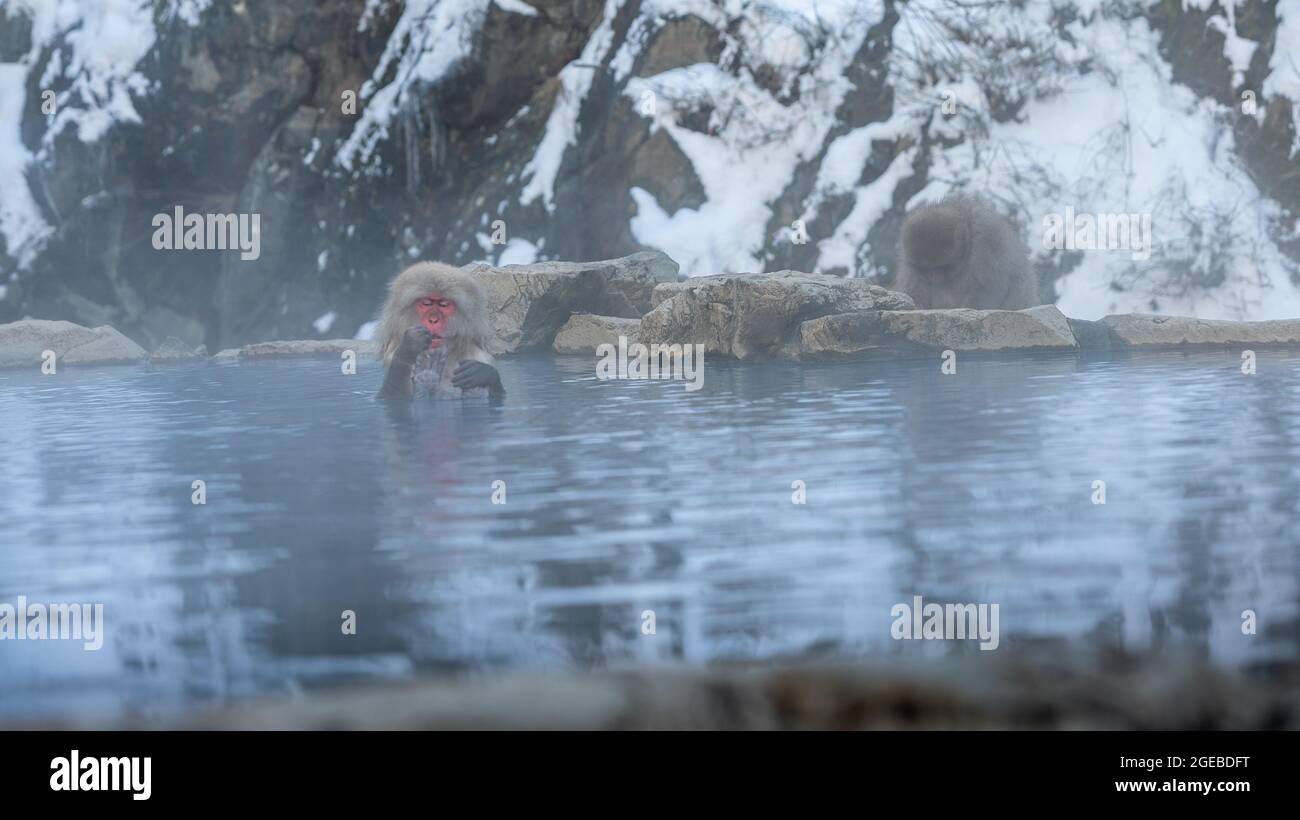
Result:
[[584, 332], [1149, 330], [841, 334], [951, 329], [23, 343], [530, 303], [750, 315]]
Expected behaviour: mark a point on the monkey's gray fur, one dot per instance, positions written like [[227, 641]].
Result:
[[437, 372], [473, 329], [961, 253]]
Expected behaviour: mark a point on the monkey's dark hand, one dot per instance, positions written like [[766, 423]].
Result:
[[415, 341], [470, 374]]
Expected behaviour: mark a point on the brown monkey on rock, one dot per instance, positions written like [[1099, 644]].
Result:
[[433, 335], [961, 253]]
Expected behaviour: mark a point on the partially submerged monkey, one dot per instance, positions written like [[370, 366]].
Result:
[[961, 253], [433, 335]]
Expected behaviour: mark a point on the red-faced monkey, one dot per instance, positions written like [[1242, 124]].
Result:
[[961, 253], [433, 335]]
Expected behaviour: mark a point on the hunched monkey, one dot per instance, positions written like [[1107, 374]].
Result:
[[961, 253]]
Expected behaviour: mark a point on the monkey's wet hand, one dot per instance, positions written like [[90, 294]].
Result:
[[415, 341], [471, 374]]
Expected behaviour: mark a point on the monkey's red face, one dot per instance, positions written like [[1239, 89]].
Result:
[[435, 312]]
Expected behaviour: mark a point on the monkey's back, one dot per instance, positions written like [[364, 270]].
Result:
[[999, 272], [993, 274]]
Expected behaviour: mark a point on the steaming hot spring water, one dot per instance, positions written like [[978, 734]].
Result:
[[637, 506]]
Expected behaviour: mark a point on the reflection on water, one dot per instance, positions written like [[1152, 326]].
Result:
[[630, 496]]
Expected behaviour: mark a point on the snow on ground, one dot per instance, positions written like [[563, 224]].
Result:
[[847, 250], [740, 182], [102, 43], [21, 222], [1284, 67], [1138, 143]]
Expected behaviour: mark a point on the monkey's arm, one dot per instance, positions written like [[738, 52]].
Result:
[[470, 374], [398, 383]]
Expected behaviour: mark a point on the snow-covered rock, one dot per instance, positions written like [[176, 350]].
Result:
[[1114, 692]]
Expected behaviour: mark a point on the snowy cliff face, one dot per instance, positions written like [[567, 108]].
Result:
[[719, 131]]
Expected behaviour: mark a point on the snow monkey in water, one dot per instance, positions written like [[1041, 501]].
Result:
[[961, 253], [433, 335]]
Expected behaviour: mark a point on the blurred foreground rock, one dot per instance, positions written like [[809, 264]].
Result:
[[970, 692], [23, 343]]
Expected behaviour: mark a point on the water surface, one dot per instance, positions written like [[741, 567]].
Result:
[[623, 497]]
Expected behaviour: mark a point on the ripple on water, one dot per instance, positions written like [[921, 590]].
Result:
[[627, 496]]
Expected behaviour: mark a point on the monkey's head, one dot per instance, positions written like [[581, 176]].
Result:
[[935, 239], [450, 303]]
